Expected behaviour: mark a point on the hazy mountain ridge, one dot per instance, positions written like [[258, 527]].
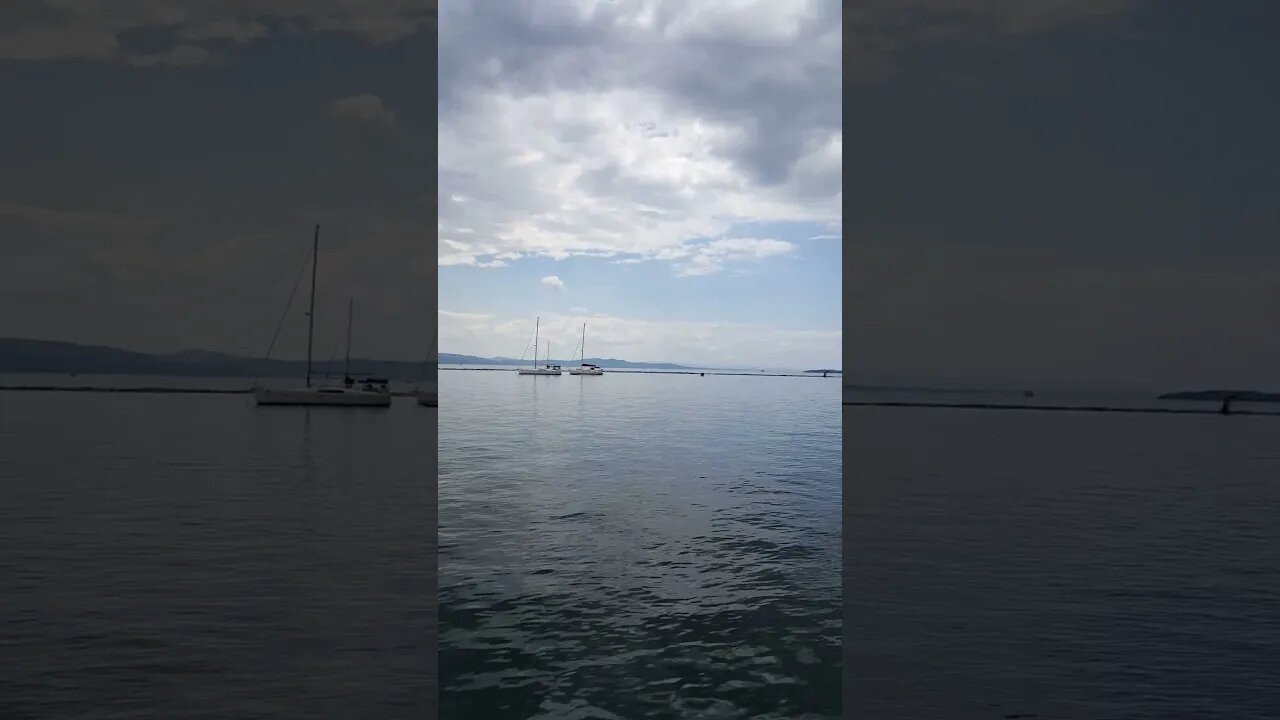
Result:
[[21, 355], [456, 359]]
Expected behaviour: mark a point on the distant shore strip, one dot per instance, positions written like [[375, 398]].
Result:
[[612, 371], [1052, 408], [396, 393], [154, 390]]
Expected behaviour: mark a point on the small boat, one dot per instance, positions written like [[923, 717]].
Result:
[[371, 392], [547, 368], [426, 392], [585, 368]]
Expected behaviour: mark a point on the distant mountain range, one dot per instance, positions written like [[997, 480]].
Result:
[[454, 359], [19, 355]]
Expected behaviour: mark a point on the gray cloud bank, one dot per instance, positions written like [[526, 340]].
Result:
[[161, 204], [1064, 193], [636, 129]]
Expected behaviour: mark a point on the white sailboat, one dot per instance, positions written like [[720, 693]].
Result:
[[372, 392], [546, 369], [585, 368]]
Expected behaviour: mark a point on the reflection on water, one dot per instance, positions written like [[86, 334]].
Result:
[[1061, 565], [639, 546], [183, 556]]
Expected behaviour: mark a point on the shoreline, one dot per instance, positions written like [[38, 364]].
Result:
[[1053, 408], [624, 371], [169, 390], [90, 388], [148, 390]]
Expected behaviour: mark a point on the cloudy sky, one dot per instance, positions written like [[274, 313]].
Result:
[[667, 172], [1064, 193], [164, 163]]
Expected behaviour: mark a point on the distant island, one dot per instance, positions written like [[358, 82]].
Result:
[[18, 355], [824, 371], [1221, 395]]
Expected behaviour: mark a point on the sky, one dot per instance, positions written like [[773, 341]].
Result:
[[1063, 194], [164, 164], [666, 172]]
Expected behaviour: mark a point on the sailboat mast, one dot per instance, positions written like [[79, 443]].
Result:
[[584, 344], [351, 309], [535, 341], [311, 312]]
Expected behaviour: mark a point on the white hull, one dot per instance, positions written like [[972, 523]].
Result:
[[581, 371], [427, 397], [333, 397], [538, 371]]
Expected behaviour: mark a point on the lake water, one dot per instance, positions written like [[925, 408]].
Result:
[[646, 546], [639, 546], [194, 556], [1061, 565]]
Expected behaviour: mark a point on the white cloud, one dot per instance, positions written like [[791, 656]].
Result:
[[692, 343], [177, 57], [710, 257], [553, 281], [64, 221], [647, 130], [365, 110], [234, 29], [704, 258]]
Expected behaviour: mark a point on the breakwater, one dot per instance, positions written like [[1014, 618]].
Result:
[[1052, 408]]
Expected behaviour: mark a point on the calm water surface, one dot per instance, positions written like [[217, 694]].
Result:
[[632, 546], [1065, 565], [189, 556]]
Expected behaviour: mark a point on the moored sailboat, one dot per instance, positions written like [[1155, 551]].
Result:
[[585, 368], [546, 369], [371, 392]]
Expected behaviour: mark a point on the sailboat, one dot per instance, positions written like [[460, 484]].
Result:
[[426, 390], [372, 392], [585, 368], [548, 368]]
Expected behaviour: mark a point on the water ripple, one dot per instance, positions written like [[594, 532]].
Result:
[[637, 546]]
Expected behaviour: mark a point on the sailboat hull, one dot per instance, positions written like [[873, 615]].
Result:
[[585, 368], [336, 397], [427, 396], [538, 371]]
